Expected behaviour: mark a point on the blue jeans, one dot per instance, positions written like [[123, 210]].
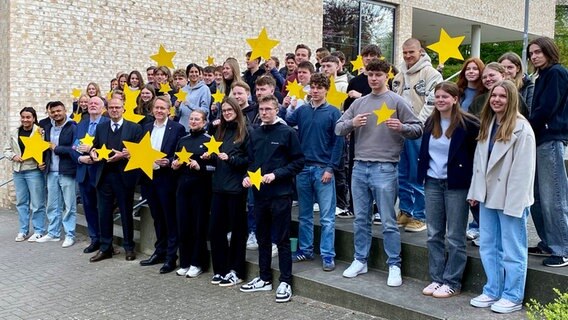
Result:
[[61, 204], [310, 187], [447, 210], [378, 181], [503, 249], [30, 196], [550, 209], [411, 193]]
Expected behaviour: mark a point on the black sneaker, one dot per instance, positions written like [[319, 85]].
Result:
[[284, 292], [345, 214], [555, 261], [257, 284], [230, 280], [537, 251], [216, 279]]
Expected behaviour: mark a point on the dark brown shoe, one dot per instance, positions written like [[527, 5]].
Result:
[[94, 246], [130, 255], [101, 256]]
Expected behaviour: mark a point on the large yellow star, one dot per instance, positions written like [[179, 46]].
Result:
[[142, 155], [383, 113], [165, 87], [447, 47], [87, 140], [255, 178], [181, 95], [34, 147], [262, 45], [334, 97], [103, 152], [163, 57], [218, 96], [76, 115], [210, 61], [77, 93], [390, 74], [357, 64], [184, 156], [295, 89], [213, 145], [130, 97]]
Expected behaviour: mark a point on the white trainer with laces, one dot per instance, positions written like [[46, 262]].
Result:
[[20, 237], [47, 238], [482, 301], [394, 279], [257, 284], [68, 242], [193, 272], [182, 271], [356, 268], [252, 243], [284, 292], [34, 237]]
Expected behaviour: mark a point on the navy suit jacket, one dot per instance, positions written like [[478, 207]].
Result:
[[131, 132], [64, 148], [82, 169]]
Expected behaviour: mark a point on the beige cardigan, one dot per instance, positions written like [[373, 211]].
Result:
[[12, 149]]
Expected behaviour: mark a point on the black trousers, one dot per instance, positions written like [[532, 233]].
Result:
[[342, 193], [273, 216], [228, 214]]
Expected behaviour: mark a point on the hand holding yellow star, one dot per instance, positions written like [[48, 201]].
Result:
[[262, 45], [165, 87], [184, 156], [213, 145], [295, 89], [255, 178], [34, 147], [77, 93], [218, 96], [210, 61], [447, 47], [357, 64], [383, 113], [163, 57], [181, 95], [142, 155], [103, 152], [334, 97], [87, 140]]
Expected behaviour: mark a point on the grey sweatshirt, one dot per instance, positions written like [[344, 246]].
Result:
[[377, 142]]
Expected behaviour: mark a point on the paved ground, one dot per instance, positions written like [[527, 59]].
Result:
[[45, 281]]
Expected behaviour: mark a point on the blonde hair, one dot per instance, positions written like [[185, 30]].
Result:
[[509, 120]]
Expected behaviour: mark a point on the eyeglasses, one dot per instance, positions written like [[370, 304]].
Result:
[[227, 110]]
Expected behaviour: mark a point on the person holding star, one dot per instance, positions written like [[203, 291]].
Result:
[[375, 174]]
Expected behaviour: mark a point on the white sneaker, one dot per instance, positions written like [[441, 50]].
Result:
[[316, 207], [182, 271], [47, 238], [229, 237], [395, 279], [252, 244], [431, 288], [356, 268], [20, 237], [68, 242], [294, 203], [482, 301], [34, 237], [472, 233], [505, 306], [338, 211], [257, 284], [274, 250], [193, 272], [284, 292]]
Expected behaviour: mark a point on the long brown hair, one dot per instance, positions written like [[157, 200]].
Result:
[[434, 124], [509, 118], [239, 120], [462, 81], [516, 60]]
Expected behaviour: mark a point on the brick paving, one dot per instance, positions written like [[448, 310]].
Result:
[[45, 281]]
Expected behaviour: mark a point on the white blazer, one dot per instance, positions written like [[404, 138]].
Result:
[[505, 179]]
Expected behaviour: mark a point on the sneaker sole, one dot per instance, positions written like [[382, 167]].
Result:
[[282, 300], [252, 248], [193, 275], [365, 270], [540, 254], [557, 265], [214, 282], [230, 284], [345, 217], [377, 223], [265, 288], [414, 230], [499, 309], [445, 296], [482, 304], [397, 284]]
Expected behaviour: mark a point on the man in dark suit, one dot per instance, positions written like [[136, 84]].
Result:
[[160, 191], [87, 170], [112, 182]]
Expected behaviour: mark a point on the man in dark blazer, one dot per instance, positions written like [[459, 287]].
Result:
[[87, 169], [112, 182], [160, 191]]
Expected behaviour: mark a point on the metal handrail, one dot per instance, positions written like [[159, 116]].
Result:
[[5, 182], [452, 76]]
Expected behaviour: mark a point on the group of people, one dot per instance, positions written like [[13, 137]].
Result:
[[492, 144]]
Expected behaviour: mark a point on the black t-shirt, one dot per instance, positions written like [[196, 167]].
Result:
[[23, 133]]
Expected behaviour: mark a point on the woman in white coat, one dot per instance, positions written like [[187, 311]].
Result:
[[502, 184]]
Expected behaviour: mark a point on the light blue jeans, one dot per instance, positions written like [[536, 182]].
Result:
[[503, 249], [378, 181], [411, 193], [61, 204], [550, 209], [310, 188], [30, 196], [446, 220]]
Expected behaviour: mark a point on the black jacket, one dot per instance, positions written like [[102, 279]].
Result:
[[64, 149], [193, 142], [229, 174], [275, 149]]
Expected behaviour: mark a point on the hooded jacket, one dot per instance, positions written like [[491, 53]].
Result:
[[198, 98]]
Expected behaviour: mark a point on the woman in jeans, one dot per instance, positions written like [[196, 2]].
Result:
[[445, 164], [28, 178]]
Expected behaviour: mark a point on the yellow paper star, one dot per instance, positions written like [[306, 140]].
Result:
[[383, 113], [357, 64], [131, 116], [262, 45], [390, 74], [172, 111], [210, 61], [295, 89], [184, 156], [163, 57], [87, 140], [142, 155], [77, 93], [213, 145], [334, 97], [218, 96], [181, 95], [103, 152], [447, 47], [76, 115], [34, 147], [255, 178], [165, 87], [130, 97]]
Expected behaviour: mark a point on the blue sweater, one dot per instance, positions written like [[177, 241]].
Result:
[[319, 143]]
